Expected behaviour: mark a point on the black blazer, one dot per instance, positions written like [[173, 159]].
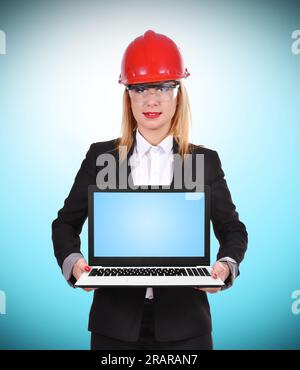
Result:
[[180, 312]]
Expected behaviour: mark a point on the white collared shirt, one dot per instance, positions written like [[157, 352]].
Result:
[[152, 165]]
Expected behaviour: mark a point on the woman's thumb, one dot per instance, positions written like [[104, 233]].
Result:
[[83, 265]]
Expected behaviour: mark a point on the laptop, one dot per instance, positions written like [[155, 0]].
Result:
[[148, 237]]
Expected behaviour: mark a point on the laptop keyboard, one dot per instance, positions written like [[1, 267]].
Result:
[[146, 271]]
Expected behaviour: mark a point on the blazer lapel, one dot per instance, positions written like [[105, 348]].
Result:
[[175, 151], [124, 163]]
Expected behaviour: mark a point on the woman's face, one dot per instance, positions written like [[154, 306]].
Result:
[[154, 107]]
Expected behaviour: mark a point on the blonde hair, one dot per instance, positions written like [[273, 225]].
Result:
[[180, 124]]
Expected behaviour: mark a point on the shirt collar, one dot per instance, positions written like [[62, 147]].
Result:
[[142, 145]]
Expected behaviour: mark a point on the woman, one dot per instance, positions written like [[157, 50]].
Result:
[[155, 126]]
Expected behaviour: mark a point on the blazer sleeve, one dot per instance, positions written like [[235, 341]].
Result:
[[229, 230], [67, 227]]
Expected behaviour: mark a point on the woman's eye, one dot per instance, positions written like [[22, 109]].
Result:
[[164, 89]]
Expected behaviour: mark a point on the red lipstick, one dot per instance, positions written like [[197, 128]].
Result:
[[152, 115]]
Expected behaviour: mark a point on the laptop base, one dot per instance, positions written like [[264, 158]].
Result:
[[88, 281]]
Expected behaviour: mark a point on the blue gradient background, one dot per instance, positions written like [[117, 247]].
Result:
[[156, 230], [59, 93]]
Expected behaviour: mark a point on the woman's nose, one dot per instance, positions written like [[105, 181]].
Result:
[[152, 99]]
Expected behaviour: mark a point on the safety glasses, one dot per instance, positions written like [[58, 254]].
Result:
[[164, 91]]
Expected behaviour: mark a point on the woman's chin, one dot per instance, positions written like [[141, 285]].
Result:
[[153, 124]]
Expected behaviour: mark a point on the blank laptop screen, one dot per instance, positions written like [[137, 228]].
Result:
[[149, 224]]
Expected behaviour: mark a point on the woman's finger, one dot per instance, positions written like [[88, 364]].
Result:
[[208, 290], [82, 265], [217, 270]]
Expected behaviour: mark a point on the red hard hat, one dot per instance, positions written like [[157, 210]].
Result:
[[152, 57]]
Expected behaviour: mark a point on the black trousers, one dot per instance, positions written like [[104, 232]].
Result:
[[147, 340]]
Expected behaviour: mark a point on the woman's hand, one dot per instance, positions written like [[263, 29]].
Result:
[[79, 268], [221, 270]]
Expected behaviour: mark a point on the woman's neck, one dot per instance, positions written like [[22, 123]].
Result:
[[154, 137]]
